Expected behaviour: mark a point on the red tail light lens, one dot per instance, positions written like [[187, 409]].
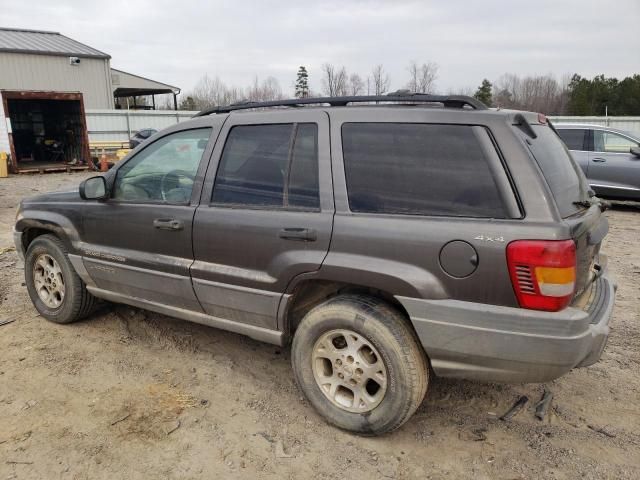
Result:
[[543, 273]]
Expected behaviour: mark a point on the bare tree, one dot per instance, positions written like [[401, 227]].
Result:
[[356, 85], [210, 92], [422, 78], [268, 89], [468, 91], [540, 93], [334, 80], [380, 80]]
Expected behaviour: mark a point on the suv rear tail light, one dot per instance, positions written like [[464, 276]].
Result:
[[543, 273]]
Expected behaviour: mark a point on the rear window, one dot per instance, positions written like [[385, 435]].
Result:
[[574, 139], [418, 169], [564, 177]]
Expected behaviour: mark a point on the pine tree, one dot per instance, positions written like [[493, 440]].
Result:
[[484, 92], [302, 83]]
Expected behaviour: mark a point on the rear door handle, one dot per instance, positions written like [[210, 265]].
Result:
[[598, 160], [168, 224], [300, 234]]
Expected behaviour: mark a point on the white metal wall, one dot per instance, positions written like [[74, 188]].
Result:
[[50, 73], [119, 125], [630, 124], [4, 137]]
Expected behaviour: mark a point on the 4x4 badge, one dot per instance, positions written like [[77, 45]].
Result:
[[487, 238]]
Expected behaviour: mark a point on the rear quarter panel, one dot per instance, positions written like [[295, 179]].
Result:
[[400, 253]]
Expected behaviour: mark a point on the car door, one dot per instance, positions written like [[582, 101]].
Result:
[[576, 141], [266, 213], [138, 243], [612, 167]]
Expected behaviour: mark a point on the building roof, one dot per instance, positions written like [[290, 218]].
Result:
[[40, 42], [127, 84]]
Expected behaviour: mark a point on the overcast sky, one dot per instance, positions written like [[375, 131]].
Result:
[[178, 41]]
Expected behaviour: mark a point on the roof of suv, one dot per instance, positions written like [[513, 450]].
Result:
[[400, 100], [401, 96]]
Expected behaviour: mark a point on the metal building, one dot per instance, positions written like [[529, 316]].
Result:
[[47, 80]]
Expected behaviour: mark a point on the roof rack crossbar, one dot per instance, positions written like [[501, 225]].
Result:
[[450, 101]]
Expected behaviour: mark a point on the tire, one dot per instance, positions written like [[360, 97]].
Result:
[[76, 302], [388, 335]]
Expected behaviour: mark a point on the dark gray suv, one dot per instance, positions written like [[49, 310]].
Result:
[[409, 236]]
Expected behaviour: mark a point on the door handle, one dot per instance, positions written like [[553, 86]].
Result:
[[300, 234], [598, 160], [168, 224]]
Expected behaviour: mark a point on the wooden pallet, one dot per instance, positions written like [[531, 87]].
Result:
[[53, 168]]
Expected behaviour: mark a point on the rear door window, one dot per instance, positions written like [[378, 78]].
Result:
[[574, 139], [564, 177], [272, 166], [419, 169]]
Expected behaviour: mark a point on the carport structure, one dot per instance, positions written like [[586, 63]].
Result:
[[128, 85]]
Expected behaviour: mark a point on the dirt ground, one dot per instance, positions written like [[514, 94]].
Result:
[[133, 394]]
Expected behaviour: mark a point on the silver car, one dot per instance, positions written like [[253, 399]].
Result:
[[610, 158]]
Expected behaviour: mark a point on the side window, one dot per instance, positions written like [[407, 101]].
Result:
[[573, 138], [269, 166], [611, 142], [164, 171], [418, 169]]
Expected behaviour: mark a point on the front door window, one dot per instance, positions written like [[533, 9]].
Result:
[[611, 142], [164, 171]]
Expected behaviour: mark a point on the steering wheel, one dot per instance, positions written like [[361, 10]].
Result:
[[176, 175]]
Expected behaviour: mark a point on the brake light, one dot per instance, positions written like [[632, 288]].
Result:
[[542, 118], [543, 273]]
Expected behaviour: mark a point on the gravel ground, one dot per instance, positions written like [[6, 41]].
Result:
[[133, 394]]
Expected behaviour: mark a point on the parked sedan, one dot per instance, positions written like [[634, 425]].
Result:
[[141, 136], [610, 158]]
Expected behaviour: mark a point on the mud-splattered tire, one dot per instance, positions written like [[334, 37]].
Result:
[[360, 364], [75, 302]]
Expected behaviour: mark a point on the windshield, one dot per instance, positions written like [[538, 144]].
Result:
[[565, 179]]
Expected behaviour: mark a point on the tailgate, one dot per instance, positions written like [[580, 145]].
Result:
[[570, 191], [588, 229]]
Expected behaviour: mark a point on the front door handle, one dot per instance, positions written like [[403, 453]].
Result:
[[300, 234], [598, 160], [168, 224]]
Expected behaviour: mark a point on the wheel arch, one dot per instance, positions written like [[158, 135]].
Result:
[[32, 227], [310, 292]]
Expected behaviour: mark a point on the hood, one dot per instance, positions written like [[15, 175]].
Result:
[[63, 196]]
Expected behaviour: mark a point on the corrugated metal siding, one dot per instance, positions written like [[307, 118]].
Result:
[[630, 124], [44, 42], [115, 125], [53, 73]]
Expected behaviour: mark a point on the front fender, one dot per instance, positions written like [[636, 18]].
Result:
[[56, 223]]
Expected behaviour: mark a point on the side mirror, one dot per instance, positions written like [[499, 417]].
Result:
[[635, 151], [94, 188]]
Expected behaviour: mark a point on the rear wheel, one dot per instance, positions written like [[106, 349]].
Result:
[[56, 290], [360, 364]]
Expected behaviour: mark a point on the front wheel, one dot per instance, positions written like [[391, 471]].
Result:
[[56, 290], [360, 365]]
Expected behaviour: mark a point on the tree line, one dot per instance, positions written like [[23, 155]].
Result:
[[572, 95], [567, 95]]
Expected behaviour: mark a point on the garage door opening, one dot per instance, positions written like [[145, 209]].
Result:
[[47, 131]]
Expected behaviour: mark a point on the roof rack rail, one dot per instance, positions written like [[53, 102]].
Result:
[[450, 101]]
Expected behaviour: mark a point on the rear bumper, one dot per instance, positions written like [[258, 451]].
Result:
[[512, 345]]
